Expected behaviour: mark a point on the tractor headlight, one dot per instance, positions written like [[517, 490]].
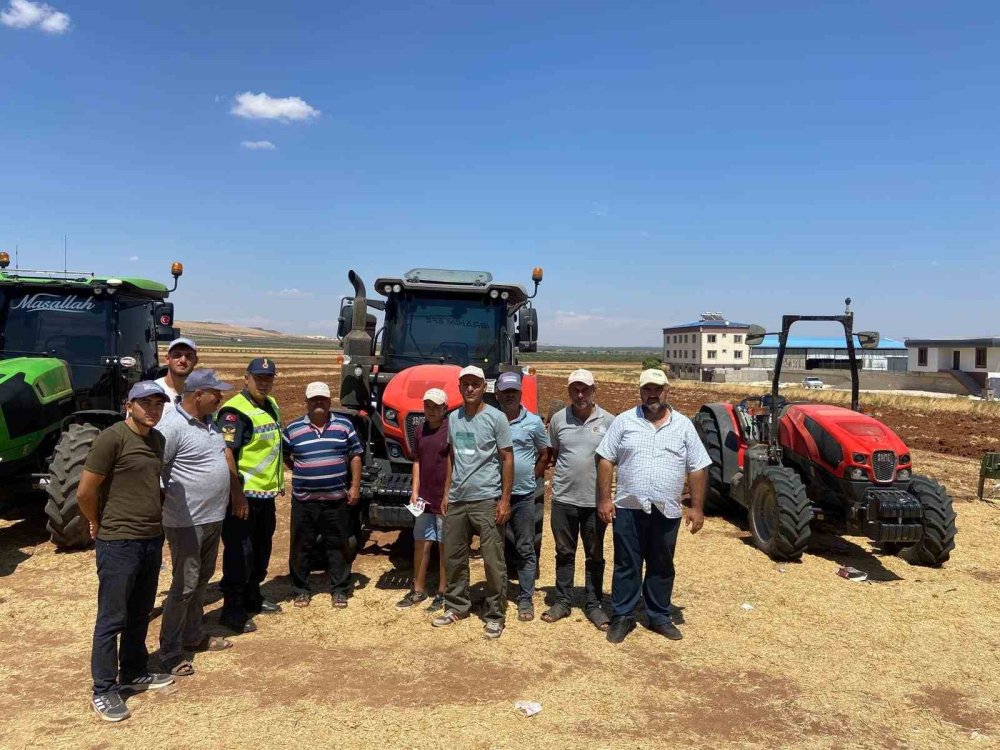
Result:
[[858, 474], [903, 475], [494, 293], [859, 458], [391, 416], [904, 459]]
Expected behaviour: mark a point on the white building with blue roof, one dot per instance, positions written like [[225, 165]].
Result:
[[829, 353]]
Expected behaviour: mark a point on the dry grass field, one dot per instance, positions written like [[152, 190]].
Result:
[[785, 655]]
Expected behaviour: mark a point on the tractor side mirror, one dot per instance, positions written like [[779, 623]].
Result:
[[527, 329], [164, 314], [345, 320], [868, 339], [755, 335]]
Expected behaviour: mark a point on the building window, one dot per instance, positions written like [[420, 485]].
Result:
[[723, 335], [737, 338], [711, 338], [737, 355], [981, 358], [711, 353], [694, 338], [921, 356], [685, 338]]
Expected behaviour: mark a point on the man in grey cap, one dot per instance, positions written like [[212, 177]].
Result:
[[198, 485], [575, 432], [182, 358], [119, 494]]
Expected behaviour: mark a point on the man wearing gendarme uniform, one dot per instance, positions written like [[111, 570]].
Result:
[[481, 477], [251, 427], [531, 458], [575, 432]]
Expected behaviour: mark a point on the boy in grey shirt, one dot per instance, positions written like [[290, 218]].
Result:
[[197, 480], [481, 478]]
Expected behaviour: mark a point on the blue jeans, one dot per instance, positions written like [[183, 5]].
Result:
[[127, 574], [522, 523], [644, 537]]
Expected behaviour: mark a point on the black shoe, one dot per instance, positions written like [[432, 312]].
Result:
[[667, 630], [620, 627], [238, 626], [268, 607], [676, 615], [436, 604], [412, 598]]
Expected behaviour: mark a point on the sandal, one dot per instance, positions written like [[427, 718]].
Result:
[[212, 643], [526, 614], [599, 618], [182, 669], [555, 612]]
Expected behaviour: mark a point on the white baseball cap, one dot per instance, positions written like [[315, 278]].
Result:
[[581, 376], [317, 389], [472, 370], [652, 376], [436, 396], [182, 341]]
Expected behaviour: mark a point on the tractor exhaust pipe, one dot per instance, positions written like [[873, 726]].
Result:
[[357, 347], [360, 301]]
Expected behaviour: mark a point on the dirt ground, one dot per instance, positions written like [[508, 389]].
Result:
[[774, 655]]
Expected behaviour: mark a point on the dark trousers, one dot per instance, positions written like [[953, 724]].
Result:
[[569, 523], [463, 520], [127, 574], [246, 553], [193, 553], [331, 519], [650, 538], [522, 524]]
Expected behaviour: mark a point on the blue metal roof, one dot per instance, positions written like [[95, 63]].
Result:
[[708, 324], [809, 342]]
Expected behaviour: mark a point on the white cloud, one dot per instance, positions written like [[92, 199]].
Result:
[[134, 258], [258, 145], [23, 14], [264, 107], [291, 293]]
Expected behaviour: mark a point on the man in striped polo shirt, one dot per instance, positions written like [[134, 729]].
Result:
[[319, 448]]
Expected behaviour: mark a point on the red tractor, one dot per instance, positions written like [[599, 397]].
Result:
[[789, 464]]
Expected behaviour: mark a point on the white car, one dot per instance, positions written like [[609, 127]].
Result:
[[812, 382]]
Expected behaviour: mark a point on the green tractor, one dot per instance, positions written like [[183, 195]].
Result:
[[71, 346]]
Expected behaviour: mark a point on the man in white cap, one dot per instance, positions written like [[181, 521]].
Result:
[[478, 491], [324, 453], [575, 432], [656, 450], [430, 475], [182, 358]]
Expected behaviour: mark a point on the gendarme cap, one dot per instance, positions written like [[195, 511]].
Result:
[[262, 366]]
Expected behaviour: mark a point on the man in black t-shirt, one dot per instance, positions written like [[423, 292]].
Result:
[[119, 495]]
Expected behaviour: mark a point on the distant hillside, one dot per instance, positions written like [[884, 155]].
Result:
[[209, 333]]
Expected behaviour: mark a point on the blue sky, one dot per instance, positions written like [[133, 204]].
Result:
[[657, 159]]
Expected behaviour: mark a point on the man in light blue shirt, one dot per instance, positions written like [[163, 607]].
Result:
[[655, 450], [531, 457]]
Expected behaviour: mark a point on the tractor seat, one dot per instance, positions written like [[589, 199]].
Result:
[[779, 403]]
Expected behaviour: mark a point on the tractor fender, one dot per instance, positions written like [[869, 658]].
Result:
[[730, 438], [529, 393]]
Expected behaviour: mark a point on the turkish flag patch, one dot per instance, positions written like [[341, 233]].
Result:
[[230, 417]]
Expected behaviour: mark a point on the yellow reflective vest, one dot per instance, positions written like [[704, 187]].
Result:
[[260, 462]]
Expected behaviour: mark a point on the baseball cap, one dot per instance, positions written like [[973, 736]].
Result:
[[581, 376], [652, 376], [145, 388], [437, 396], [203, 380], [472, 370], [183, 341], [509, 381], [261, 366], [317, 389]]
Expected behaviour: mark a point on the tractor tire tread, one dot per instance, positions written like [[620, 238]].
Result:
[[938, 540], [717, 502], [794, 514], [67, 527]]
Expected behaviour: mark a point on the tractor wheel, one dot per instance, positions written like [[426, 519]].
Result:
[[67, 526], [938, 540], [717, 502], [780, 513]]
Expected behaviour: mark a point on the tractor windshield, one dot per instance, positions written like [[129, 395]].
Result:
[[71, 327], [459, 330]]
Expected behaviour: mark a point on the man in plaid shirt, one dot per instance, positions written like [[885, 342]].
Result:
[[655, 450]]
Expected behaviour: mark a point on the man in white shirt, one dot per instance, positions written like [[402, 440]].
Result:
[[655, 450], [182, 358]]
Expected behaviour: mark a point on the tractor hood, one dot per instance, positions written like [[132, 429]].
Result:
[[36, 393], [853, 430], [405, 392]]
